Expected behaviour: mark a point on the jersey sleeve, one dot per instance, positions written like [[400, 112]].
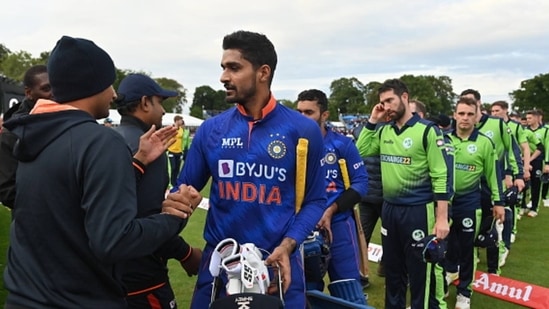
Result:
[[440, 165], [521, 134], [195, 173], [357, 171], [368, 140], [491, 173], [511, 149]]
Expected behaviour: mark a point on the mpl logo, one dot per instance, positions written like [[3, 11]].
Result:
[[231, 142], [225, 168]]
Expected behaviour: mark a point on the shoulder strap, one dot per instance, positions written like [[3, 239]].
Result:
[[426, 133]]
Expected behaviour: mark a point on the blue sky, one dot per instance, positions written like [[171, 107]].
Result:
[[488, 45]]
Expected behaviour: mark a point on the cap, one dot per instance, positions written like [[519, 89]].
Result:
[[544, 178], [77, 69], [444, 120], [135, 86], [511, 196], [433, 249], [488, 235]]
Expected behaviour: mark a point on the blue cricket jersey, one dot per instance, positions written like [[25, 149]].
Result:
[[253, 168], [336, 147]]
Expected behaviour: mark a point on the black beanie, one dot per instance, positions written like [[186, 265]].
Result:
[[78, 69]]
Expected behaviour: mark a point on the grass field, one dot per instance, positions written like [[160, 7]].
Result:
[[527, 261]]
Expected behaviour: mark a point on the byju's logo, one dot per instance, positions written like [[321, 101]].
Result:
[[225, 168]]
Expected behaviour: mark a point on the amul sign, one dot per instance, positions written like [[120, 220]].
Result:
[[521, 293]]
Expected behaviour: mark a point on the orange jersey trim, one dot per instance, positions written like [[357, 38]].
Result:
[[147, 289], [48, 106]]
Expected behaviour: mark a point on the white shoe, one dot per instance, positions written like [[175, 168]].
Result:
[[503, 257], [546, 202], [463, 302], [522, 211], [513, 238], [532, 214], [451, 277], [529, 205]]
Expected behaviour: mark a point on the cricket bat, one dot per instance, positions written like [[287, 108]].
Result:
[[362, 246], [300, 172]]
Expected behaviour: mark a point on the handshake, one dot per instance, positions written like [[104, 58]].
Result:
[[182, 203]]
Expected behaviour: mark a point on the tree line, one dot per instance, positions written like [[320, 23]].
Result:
[[348, 95]]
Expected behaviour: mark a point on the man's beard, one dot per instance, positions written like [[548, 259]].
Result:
[[243, 96], [399, 113]]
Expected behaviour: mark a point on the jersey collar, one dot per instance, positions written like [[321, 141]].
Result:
[[264, 111], [415, 118], [473, 137]]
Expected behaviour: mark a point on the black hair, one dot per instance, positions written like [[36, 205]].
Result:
[[314, 95], [398, 87], [128, 108], [29, 79], [474, 92], [255, 47]]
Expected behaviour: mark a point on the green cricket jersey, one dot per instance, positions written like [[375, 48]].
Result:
[[533, 141], [501, 135], [414, 162], [518, 131], [542, 133], [474, 157]]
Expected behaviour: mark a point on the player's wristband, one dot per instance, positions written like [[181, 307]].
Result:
[[347, 200], [138, 165]]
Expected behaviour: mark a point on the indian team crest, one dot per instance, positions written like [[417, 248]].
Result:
[[418, 235], [467, 222], [489, 133], [330, 158], [407, 143], [276, 149], [472, 148]]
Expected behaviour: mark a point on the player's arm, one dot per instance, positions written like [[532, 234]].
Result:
[[368, 140], [441, 173], [526, 153], [196, 174], [491, 172], [358, 178], [546, 148], [512, 150]]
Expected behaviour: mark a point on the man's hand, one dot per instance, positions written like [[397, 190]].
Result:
[[326, 220], [196, 197], [519, 183], [527, 174], [281, 258], [508, 181], [154, 143], [192, 262], [499, 213], [378, 113], [180, 203], [546, 168], [442, 227]]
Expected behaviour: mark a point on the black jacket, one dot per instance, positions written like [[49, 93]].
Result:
[[373, 167], [8, 163], [75, 217], [148, 271]]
